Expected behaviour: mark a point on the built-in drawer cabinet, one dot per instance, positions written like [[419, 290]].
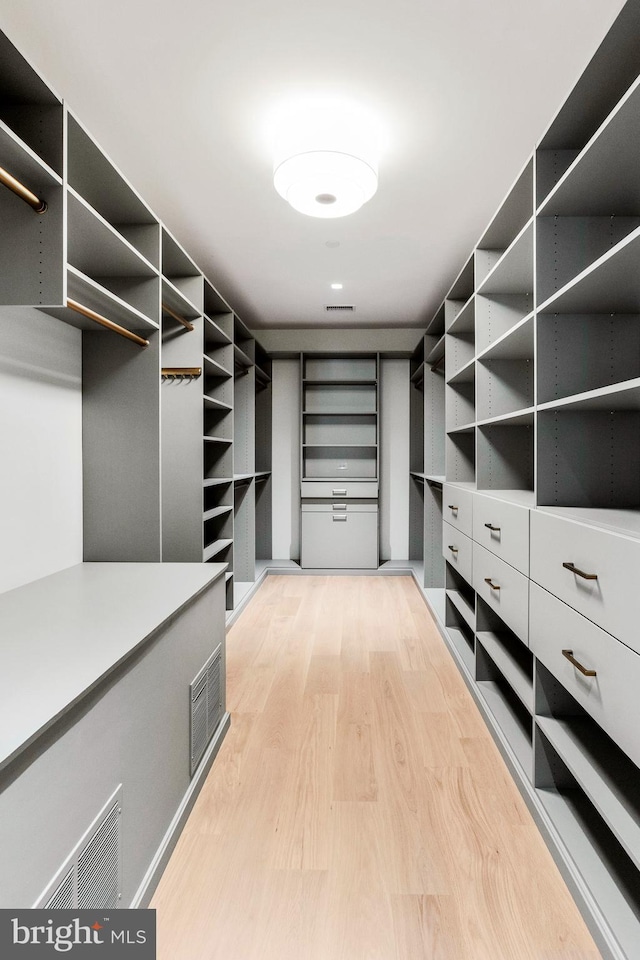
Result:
[[342, 539], [457, 508], [457, 549], [610, 696], [503, 529], [503, 588], [593, 570]]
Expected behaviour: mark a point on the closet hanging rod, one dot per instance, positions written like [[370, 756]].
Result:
[[109, 324], [36, 203], [176, 316], [181, 373]]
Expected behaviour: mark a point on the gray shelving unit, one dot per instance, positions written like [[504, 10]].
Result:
[[339, 460], [541, 422]]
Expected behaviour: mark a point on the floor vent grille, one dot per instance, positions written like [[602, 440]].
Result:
[[206, 695], [91, 876]]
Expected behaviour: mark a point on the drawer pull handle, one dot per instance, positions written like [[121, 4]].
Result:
[[494, 586], [453, 507], [570, 657], [580, 573], [490, 526], [339, 506], [336, 519], [453, 549], [339, 493]]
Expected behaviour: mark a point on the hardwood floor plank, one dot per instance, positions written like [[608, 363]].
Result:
[[358, 808]]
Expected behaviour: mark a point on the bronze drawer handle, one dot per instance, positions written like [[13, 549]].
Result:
[[339, 493], [336, 519], [494, 586], [570, 657], [452, 507], [580, 573], [453, 549], [489, 526]]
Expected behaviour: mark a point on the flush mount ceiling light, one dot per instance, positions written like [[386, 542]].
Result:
[[326, 159]]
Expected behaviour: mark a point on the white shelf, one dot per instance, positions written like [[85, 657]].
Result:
[[216, 404], [465, 652], [214, 333], [467, 613], [525, 498], [464, 320], [177, 301], [604, 180], [213, 549], [516, 344], [222, 440], [513, 273], [215, 369], [609, 285], [615, 397], [511, 728], [92, 294], [611, 897], [24, 164], [626, 522], [216, 512], [586, 751], [518, 418], [97, 248], [518, 679], [217, 481], [466, 373]]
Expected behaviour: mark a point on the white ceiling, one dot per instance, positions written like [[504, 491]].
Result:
[[179, 94]]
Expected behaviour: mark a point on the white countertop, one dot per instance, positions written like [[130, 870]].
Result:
[[62, 635]]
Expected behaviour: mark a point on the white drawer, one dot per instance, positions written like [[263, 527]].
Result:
[[341, 541], [339, 506], [457, 507], [458, 550], [503, 528], [613, 600], [611, 697], [503, 588], [360, 489]]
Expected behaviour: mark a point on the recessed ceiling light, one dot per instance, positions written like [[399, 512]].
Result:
[[336, 286]]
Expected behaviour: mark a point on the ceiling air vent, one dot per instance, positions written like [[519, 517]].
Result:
[[339, 308]]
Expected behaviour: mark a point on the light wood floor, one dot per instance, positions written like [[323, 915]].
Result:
[[358, 809]]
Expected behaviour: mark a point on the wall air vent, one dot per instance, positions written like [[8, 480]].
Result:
[[339, 308], [91, 876], [206, 697]]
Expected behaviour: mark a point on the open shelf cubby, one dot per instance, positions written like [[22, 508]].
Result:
[[591, 793], [93, 177], [505, 651], [506, 454], [514, 213]]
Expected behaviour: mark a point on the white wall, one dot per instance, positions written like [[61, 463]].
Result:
[[394, 460], [285, 469], [40, 446]]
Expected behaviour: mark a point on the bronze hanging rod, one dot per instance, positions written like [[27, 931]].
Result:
[[181, 373], [36, 203], [176, 316], [109, 324]]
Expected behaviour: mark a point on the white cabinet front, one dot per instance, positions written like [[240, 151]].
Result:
[[339, 539]]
